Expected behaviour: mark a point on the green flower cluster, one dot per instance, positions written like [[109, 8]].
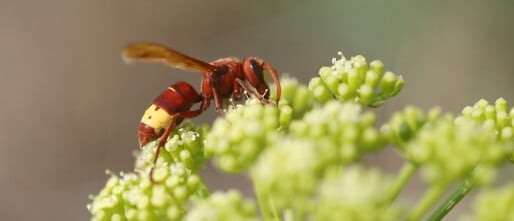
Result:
[[356, 194], [341, 131], [301, 157], [223, 206], [494, 204], [185, 145], [355, 80], [133, 197], [495, 116], [237, 140], [449, 151], [327, 138], [296, 100], [287, 174], [404, 125]]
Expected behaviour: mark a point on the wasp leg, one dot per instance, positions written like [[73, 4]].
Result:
[[250, 89], [274, 75], [162, 140]]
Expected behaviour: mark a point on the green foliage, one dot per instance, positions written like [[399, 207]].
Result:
[[304, 157]]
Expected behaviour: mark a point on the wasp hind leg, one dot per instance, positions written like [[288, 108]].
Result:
[[179, 117], [162, 140]]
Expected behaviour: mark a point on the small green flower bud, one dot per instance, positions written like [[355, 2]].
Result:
[[405, 125], [502, 119], [365, 94], [501, 105], [174, 213], [377, 67], [360, 65], [481, 104], [319, 90], [354, 80], [325, 71], [467, 112], [344, 93], [330, 80], [478, 114], [286, 115], [398, 86], [489, 112], [388, 82], [372, 79]]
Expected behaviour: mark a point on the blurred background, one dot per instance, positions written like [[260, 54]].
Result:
[[70, 108]]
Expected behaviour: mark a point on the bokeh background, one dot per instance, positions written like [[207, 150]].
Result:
[[70, 107]]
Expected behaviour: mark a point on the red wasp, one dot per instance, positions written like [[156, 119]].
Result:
[[222, 79]]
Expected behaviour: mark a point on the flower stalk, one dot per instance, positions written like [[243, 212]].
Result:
[[427, 201], [408, 169], [464, 188]]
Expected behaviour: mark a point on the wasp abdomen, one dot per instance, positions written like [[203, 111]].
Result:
[[177, 98]]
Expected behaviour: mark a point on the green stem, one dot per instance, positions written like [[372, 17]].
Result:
[[203, 191], [404, 176], [268, 211], [457, 196], [428, 200]]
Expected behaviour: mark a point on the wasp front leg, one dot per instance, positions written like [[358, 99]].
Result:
[[218, 102], [250, 89], [237, 92], [274, 75]]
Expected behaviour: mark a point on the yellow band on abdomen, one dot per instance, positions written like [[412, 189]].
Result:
[[156, 118]]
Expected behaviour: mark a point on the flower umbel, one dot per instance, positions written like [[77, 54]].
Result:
[[496, 116], [132, 196], [356, 194], [237, 140], [341, 131], [449, 151], [287, 174], [304, 157], [355, 80], [405, 125], [184, 146]]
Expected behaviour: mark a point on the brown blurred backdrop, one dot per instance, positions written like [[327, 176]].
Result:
[[70, 107]]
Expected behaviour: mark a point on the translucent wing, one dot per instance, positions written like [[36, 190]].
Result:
[[155, 53]]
